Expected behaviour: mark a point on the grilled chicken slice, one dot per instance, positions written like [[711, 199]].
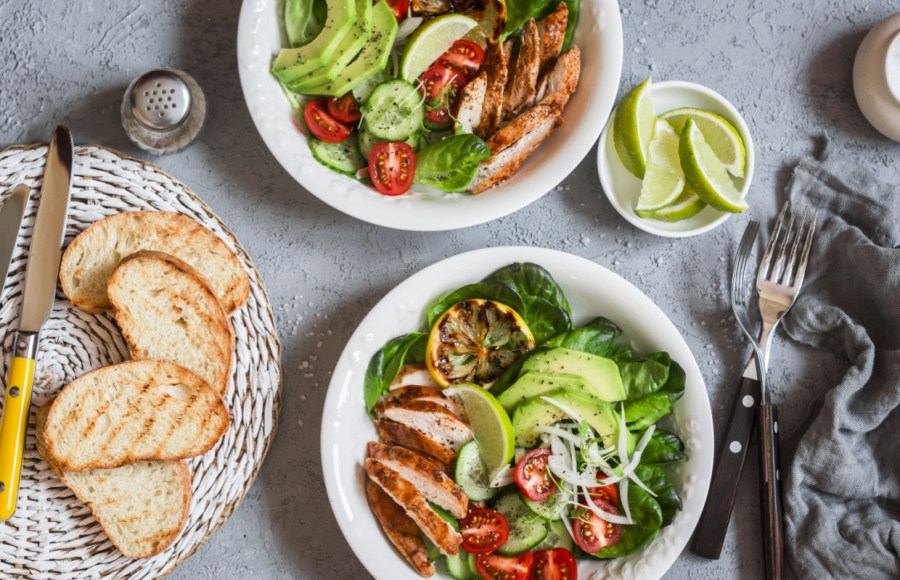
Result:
[[400, 529], [471, 103], [514, 130], [521, 89], [502, 165], [435, 528], [558, 83], [430, 419], [409, 393], [430, 7], [497, 68], [426, 476], [552, 31], [417, 441]]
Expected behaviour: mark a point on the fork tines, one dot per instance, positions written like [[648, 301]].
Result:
[[786, 271]]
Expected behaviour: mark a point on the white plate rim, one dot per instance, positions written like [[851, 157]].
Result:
[[408, 299], [556, 159]]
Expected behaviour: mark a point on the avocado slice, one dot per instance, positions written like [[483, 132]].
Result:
[[602, 374], [536, 412], [294, 63], [536, 383], [371, 60], [349, 48]]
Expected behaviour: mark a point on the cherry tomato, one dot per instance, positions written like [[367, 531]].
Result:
[[497, 567], [399, 8], [392, 167], [555, 564], [345, 109], [483, 530], [321, 124], [608, 493], [593, 533], [440, 86], [532, 476], [464, 56]]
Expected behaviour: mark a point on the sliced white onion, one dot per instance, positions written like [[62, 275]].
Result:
[[504, 477], [608, 516], [561, 433], [406, 28], [623, 498], [564, 408], [623, 439]]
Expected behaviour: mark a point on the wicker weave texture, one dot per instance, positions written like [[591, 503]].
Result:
[[52, 534]]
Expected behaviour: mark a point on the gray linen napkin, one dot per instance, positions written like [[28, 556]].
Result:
[[842, 491]]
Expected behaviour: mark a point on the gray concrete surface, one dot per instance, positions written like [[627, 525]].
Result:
[[785, 65]]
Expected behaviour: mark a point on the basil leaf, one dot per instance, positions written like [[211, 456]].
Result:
[[451, 163], [387, 362]]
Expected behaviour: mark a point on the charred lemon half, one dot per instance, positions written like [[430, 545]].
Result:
[[474, 341]]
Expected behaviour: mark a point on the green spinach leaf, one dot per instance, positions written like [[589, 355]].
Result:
[[646, 411], [663, 448], [497, 291], [666, 495], [532, 282], [596, 337], [644, 376], [647, 516], [519, 11], [451, 163], [387, 362]]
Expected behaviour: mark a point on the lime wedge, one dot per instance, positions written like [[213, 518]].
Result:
[[720, 135], [491, 425], [633, 128], [664, 178], [706, 174], [687, 205], [432, 40]]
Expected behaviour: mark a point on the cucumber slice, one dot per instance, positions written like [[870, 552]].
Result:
[[557, 537], [367, 141], [458, 566], [394, 111], [342, 157], [549, 509], [526, 530], [470, 474]]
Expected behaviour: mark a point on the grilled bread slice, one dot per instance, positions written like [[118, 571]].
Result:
[[141, 507], [92, 257], [166, 311], [147, 409]]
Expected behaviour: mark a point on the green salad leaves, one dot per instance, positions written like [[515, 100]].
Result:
[[518, 12], [451, 163], [387, 362]]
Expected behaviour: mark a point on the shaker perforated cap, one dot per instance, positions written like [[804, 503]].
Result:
[[160, 100]]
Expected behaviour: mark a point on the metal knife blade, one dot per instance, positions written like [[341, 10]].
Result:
[[49, 231], [11, 215]]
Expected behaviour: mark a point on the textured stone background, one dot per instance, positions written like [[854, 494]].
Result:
[[785, 65]]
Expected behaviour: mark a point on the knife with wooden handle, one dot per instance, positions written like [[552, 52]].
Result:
[[40, 288]]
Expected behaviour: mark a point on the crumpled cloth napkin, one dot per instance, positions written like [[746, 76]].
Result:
[[842, 490]]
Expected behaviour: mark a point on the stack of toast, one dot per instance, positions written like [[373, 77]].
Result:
[[118, 436]]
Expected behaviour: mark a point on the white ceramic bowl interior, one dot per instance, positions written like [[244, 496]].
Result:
[[599, 35], [623, 189], [592, 291]]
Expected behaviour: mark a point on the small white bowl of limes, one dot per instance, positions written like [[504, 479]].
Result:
[[675, 159]]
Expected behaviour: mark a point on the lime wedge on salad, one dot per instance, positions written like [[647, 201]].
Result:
[[664, 178], [706, 174], [491, 425], [719, 134], [432, 40], [633, 129]]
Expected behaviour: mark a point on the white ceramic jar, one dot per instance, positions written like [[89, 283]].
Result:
[[876, 77]]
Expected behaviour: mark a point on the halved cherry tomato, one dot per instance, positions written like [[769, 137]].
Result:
[[608, 493], [497, 567], [321, 124], [593, 533], [392, 167], [555, 564], [345, 109], [399, 8], [532, 477], [483, 530], [464, 56], [440, 86]]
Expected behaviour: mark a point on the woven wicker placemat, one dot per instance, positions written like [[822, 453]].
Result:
[[52, 534]]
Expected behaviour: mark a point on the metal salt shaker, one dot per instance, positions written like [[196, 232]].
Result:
[[163, 111]]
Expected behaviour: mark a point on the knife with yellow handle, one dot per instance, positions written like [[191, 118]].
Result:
[[37, 303]]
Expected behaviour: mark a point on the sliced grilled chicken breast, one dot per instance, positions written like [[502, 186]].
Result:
[[409, 393], [431, 419], [471, 103], [400, 529], [430, 7], [521, 88], [426, 476], [558, 83], [552, 30], [514, 130], [410, 438], [416, 507], [497, 67]]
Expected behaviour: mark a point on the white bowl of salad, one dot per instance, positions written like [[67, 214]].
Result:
[[494, 418], [428, 114]]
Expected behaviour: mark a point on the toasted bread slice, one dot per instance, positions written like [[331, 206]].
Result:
[[92, 257], [147, 409], [141, 507], [166, 311]]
